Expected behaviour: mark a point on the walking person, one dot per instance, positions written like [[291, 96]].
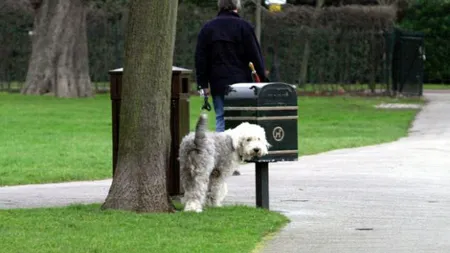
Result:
[[225, 46]]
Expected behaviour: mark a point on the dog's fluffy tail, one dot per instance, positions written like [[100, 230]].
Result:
[[200, 130]]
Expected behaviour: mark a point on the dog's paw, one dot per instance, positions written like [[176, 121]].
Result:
[[197, 210], [193, 207], [213, 203]]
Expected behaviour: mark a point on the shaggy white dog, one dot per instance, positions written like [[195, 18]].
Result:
[[207, 158]]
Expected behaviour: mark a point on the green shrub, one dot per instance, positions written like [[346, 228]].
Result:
[[432, 17]]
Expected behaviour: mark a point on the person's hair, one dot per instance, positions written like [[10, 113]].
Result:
[[229, 5]]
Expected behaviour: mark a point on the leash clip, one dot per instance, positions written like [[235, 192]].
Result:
[[206, 106]]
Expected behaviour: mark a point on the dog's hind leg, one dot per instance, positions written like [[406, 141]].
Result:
[[195, 189]]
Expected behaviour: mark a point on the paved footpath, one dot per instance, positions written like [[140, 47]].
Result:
[[393, 197]]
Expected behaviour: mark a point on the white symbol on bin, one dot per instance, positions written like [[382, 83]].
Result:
[[278, 133]]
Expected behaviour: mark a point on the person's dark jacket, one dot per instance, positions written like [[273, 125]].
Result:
[[225, 46]]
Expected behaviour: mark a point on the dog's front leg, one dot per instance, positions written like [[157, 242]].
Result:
[[221, 193], [217, 190]]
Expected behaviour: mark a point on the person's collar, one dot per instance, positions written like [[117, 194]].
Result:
[[228, 13]]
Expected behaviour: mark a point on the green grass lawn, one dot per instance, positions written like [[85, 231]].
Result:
[[87, 229], [46, 139], [436, 86]]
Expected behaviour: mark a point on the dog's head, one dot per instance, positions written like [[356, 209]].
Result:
[[249, 140]]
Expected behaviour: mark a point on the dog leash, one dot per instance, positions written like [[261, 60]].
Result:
[[206, 106]]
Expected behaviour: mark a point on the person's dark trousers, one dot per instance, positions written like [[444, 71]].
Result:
[[218, 102]]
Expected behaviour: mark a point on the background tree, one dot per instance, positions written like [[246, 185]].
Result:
[[59, 59], [144, 145]]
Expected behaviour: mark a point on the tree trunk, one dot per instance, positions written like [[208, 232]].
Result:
[[59, 59], [139, 183], [307, 48], [305, 62], [258, 21], [373, 62]]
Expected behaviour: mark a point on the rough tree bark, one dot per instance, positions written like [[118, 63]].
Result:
[[139, 183], [59, 58]]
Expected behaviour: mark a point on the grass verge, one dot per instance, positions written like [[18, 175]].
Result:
[[436, 86], [85, 228], [45, 139]]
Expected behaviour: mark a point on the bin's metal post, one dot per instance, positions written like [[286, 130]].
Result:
[[116, 97], [262, 184]]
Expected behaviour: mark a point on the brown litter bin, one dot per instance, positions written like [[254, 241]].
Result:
[[179, 120]]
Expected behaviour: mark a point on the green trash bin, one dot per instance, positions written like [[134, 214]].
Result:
[[408, 62]]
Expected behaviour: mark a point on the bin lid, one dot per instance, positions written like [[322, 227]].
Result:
[[258, 85], [174, 69]]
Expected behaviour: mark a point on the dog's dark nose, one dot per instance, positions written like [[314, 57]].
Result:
[[256, 150]]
